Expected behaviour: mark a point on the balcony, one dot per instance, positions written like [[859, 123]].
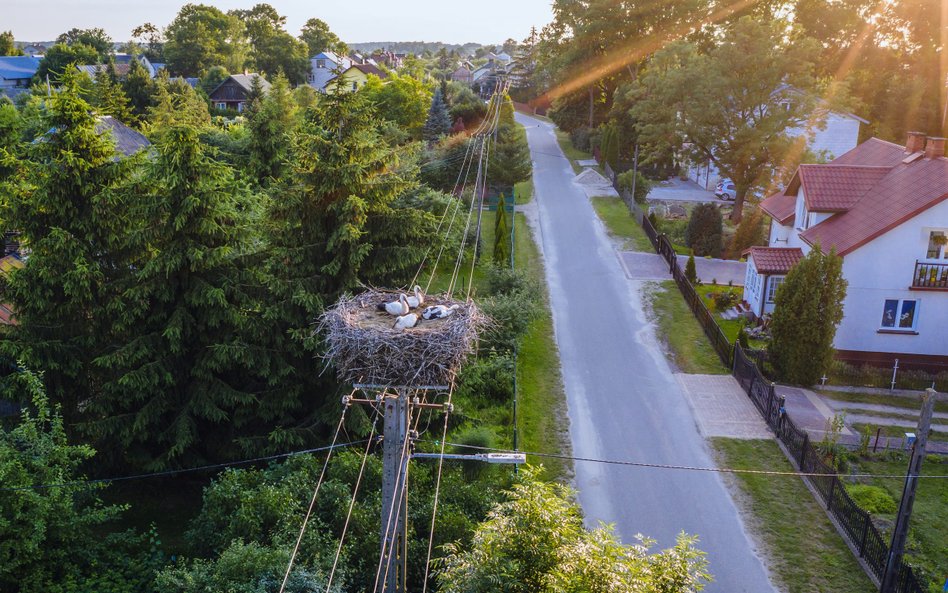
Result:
[[930, 276]]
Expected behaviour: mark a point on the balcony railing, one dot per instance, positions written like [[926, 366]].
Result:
[[930, 275]]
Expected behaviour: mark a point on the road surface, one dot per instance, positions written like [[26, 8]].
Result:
[[624, 402]]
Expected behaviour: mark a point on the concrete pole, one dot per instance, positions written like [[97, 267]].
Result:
[[900, 532], [394, 494]]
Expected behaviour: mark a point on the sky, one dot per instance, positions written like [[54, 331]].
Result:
[[450, 21]]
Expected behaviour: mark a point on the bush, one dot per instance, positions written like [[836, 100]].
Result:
[[872, 499], [642, 185], [749, 232], [704, 231], [477, 436], [675, 229], [653, 220], [490, 377], [580, 137], [690, 273], [724, 300]]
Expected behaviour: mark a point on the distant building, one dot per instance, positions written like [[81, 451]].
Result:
[[233, 92], [17, 71], [356, 76], [35, 50], [325, 66], [462, 75], [122, 64], [127, 141]]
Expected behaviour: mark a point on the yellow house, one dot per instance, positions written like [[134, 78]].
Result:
[[355, 77]]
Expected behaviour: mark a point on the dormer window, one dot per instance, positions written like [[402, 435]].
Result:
[[320, 63]]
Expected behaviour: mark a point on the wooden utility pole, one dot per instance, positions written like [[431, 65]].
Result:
[[900, 533]]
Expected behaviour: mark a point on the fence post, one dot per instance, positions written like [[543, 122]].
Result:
[[865, 535], [806, 445], [829, 497]]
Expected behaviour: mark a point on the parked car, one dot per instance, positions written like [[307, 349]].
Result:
[[725, 190]]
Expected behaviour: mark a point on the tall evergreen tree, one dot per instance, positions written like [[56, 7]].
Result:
[[139, 89], [176, 103], [807, 309], [439, 120], [187, 379], [271, 124], [61, 200], [501, 234], [108, 97]]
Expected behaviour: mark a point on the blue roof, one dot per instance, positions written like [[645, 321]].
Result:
[[13, 67]]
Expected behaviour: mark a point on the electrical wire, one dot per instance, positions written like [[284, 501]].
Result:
[[437, 490], [173, 472], [723, 470], [355, 492], [312, 501]]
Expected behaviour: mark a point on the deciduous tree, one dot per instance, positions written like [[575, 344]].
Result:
[[201, 37], [7, 45], [317, 37], [95, 38]]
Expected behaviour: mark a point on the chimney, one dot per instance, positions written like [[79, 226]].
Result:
[[915, 142], [935, 148]]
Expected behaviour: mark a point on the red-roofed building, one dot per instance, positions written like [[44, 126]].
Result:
[[884, 209]]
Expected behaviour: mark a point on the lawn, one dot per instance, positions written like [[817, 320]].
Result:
[[804, 551], [621, 224], [927, 548], [894, 431], [897, 401], [572, 153], [523, 192], [730, 327], [690, 349]]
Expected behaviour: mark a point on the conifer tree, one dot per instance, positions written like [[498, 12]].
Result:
[[60, 200], [808, 308], [439, 120], [139, 89], [108, 97], [501, 234], [510, 161], [188, 378], [271, 125], [175, 104]]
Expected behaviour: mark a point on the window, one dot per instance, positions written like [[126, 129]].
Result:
[[355, 85], [936, 245], [899, 314], [222, 105], [320, 63], [772, 285]]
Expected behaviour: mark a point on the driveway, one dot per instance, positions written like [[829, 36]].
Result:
[[676, 190], [651, 266], [624, 402]]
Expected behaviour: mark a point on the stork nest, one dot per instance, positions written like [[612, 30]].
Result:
[[365, 348]]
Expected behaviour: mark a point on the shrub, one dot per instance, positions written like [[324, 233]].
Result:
[[724, 300], [490, 377], [675, 229], [653, 220], [690, 273], [742, 338], [476, 436], [580, 138], [642, 185], [704, 231], [872, 498], [749, 232]]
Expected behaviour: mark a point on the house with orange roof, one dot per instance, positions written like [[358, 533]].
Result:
[[883, 207]]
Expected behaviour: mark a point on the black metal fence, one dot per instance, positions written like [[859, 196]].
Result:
[[856, 523]]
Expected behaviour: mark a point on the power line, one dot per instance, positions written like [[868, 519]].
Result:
[[723, 470], [172, 472]]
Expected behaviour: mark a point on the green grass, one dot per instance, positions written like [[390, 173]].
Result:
[[805, 552], [894, 431], [524, 192], [927, 548], [690, 348], [621, 224], [572, 153], [896, 401], [730, 327], [541, 399]]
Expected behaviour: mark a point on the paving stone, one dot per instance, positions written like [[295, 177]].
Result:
[[721, 407]]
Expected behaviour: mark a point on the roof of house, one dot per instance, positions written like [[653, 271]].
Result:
[[907, 190], [6, 315], [18, 67], [775, 260], [10, 262], [127, 141], [873, 153], [370, 69], [832, 187], [328, 55], [246, 81], [780, 206]]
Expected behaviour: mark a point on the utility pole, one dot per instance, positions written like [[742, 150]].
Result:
[[635, 169], [900, 532], [395, 455]]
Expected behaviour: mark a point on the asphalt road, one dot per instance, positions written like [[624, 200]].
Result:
[[624, 402]]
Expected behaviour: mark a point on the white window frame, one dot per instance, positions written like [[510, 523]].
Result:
[[773, 283], [221, 105], [942, 251], [320, 63], [899, 312]]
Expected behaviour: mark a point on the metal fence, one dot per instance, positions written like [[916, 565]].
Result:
[[855, 523]]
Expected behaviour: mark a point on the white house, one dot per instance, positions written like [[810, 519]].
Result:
[[884, 208], [828, 136], [325, 66]]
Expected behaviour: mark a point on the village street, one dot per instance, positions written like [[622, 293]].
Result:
[[624, 401]]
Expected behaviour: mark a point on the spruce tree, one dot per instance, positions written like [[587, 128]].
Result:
[[501, 234], [704, 230], [808, 308], [175, 104], [690, 272], [139, 89], [62, 202], [510, 161], [188, 378], [439, 120], [271, 125], [108, 97]]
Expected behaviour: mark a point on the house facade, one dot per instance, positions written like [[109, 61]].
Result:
[[234, 91], [883, 207], [355, 77], [17, 71], [325, 66]]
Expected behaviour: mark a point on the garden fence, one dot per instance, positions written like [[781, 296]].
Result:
[[855, 522]]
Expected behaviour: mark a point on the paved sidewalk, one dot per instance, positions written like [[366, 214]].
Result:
[[721, 407], [642, 265]]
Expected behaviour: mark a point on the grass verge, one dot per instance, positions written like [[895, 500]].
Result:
[[805, 553], [541, 399], [690, 349], [895, 432], [621, 224], [927, 549], [523, 192], [572, 153], [896, 401], [730, 327]]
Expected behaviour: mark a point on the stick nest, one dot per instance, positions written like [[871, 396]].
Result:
[[364, 347]]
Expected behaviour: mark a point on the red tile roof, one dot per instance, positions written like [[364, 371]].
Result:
[[370, 69], [904, 192], [780, 207], [834, 188], [775, 260], [873, 153]]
